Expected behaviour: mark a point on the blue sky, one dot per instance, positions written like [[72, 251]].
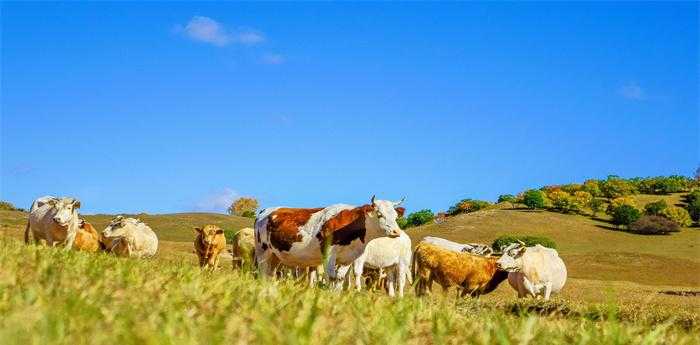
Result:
[[172, 107]]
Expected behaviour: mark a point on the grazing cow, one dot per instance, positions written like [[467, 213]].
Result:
[[303, 237], [243, 248], [534, 271], [87, 239], [475, 275], [54, 220], [129, 237], [386, 253], [208, 244], [473, 248]]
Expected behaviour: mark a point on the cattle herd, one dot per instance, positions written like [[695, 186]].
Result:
[[300, 242]]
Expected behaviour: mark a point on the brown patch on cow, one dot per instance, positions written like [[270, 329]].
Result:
[[283, 226], [345, 227], [400, 211]]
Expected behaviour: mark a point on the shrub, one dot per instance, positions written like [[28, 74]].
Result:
[[419, 218], [653, 225], [694, 210], [677, 214], [617, 202], [8, 206], [614, 187], [580, 200], [572, 188], [561, 200], [655, 208], [468, 206], [596, 205], [692, 196], [529, 241], [592, 186], [402, 222], [248, 214], [242, 206], [625, 214], [510, 198], [230, 235], [533, 199]]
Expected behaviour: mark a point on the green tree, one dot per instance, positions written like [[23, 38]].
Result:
[[580, 200], [596, 205], [468, 206], [420, 217], [614, 187], [533, 199], [694, 210], [625, 215], [677, 214], [561, 200], [592, 186]]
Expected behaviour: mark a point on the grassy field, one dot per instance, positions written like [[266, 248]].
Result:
[[623, 288]]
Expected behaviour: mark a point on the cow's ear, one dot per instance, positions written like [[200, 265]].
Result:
[[198, 230], [400, 211], [76, 203], [219, 231]]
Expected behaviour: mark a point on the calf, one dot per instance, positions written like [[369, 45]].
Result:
[[243, 248], [475, 275], [87, 239], [208, 244]]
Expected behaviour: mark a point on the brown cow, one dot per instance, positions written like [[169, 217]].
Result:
[[87, 239], [208, 244], [475, 275]]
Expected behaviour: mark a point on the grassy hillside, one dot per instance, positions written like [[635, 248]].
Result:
[[58, 297]]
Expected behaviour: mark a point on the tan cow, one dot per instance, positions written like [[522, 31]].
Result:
[[87, 239], [475, 275], [129, 237], [208, 244], [243, 248]]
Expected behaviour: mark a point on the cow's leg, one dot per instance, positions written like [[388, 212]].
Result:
[[70, 238], [391, 277], [358, 270], [341, 274], [264, 258], [547, 290], [401, 272], [331, 270]]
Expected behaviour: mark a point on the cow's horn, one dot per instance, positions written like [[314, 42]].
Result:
[[372, 201], [400, 201], [521, 242]]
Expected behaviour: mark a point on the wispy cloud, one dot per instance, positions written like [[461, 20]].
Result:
[[632, 91], [207, 30], [217, 201], [272, 59]]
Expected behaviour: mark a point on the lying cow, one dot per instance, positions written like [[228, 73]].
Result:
[[87, 239], [54, 220], [392, 255], [473, 248], [129, 237], [475, 275], [208, 244], [243, 248], [535, 271], [302, 237]]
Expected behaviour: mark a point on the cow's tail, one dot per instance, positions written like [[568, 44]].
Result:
[[26, 232]]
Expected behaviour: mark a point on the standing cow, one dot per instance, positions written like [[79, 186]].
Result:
[[386, 253], [534, 271], [129, 237], [208, 244], [302, 237], [54, 220]]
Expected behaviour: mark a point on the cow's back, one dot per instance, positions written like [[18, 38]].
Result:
[[142, 240], [386, 251], [443, 243], [541, 264], [87, 238]]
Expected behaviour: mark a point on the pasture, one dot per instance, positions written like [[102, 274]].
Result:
[[623, 288]]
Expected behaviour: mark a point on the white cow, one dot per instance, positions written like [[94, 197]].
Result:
[[386, 253], [129, 237], [54, 220], [473, 248], [534, 271]]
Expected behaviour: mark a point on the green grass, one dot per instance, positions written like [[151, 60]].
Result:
[[50, 296]]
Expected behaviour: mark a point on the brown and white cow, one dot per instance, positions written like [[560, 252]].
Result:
[[303, 237]]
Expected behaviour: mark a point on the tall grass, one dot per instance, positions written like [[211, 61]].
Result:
[[50, 296]]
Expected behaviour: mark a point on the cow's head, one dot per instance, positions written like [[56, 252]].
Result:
[[66, 210], [209, 233], [382, 218], [512, 258]]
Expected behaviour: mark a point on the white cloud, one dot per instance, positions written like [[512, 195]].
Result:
[[273, 59], [217, 201], [633, 92], [207, 30]]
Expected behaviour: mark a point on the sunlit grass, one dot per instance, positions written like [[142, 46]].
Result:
[[50, 296]]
